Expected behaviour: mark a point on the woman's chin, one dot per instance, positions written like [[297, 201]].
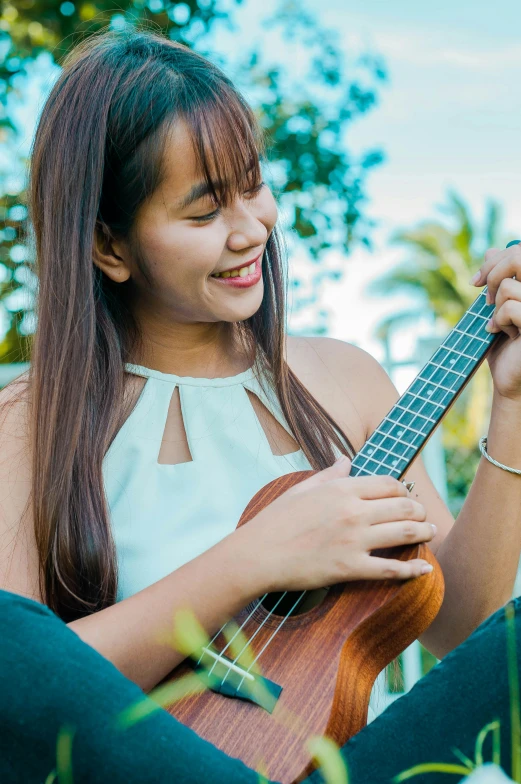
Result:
[[246, 308]]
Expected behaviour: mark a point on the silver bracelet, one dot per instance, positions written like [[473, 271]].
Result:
[[483, 450]]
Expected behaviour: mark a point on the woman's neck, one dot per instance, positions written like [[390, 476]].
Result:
[[198, 350]]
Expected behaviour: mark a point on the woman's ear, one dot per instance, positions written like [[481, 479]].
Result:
[[110, 255]]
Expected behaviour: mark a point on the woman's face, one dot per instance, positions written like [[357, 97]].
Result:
[[185, 245]]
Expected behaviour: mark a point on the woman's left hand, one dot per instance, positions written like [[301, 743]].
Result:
[[504, 359]]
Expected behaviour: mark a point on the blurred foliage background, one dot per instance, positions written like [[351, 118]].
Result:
[[321, 186]]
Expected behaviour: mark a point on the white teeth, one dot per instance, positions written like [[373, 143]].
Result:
[[234, 273]]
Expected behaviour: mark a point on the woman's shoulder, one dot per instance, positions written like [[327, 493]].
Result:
[[14, 400], [346, 380], [18, 554]]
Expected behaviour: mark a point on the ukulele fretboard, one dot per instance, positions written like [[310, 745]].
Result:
[[401, 435]]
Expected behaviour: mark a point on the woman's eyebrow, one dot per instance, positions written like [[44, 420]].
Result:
[[196, 193]]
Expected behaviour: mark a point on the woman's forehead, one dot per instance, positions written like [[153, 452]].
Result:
[[183, 174], [180, 167]]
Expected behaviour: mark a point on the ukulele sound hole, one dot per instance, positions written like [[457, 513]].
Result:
[[294, 603]]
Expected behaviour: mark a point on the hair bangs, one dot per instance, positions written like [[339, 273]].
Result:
[[228, 144]]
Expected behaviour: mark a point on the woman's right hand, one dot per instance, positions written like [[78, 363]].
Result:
[[321, 531]]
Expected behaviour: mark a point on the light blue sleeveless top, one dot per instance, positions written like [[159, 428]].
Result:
[[164, 515]]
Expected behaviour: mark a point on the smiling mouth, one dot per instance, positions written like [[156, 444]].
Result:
[[242, 277], [238, 272]]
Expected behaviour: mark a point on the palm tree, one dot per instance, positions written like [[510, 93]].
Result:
[[442, 261]]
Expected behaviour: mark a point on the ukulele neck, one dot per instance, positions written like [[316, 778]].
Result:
[[404, 431]]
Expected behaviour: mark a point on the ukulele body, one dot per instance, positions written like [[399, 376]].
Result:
[[321, 663]]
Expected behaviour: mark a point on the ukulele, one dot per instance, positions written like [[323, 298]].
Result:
[[303, 663]]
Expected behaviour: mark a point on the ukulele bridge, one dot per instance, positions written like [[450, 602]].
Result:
[[221, 675]]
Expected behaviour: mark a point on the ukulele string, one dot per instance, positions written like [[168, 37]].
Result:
[[285, 618], [250, 639], [221, 630], [271, 638], [240, 629], [449, 385]]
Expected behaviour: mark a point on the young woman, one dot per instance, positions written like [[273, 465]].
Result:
[[163, 391]]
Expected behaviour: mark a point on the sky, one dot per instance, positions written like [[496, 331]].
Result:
[[448, 117]]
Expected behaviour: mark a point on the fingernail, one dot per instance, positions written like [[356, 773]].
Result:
[[426, 568], [488, 298], [340, 459], [490, 326], [475, 279], [434, 528]]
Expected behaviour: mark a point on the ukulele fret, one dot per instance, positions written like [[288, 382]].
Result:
[[415, 413], [476, 315], [425, 400], [375, 454], [455, 351], [472, 337], [447, 370], [436, 386], [420, 408], [399, 424], [386, 437]]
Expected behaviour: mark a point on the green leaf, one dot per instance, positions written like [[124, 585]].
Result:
[[494, 727], [160, 697], [326, 754], [432, 767], [513, 685], [64, 754]]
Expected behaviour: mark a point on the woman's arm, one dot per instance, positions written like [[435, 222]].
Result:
[[480, 555], [479, 552], [129, 633], [133, 633]]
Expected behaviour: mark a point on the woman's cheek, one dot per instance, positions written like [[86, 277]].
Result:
[[269, 211]]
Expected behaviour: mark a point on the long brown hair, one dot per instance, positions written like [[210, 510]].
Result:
[[96, 158]]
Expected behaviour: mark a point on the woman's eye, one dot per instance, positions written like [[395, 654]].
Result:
[[210, 215], [215, 213], [257, 188]]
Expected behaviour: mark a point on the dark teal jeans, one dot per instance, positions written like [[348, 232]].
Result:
[[60, 701]]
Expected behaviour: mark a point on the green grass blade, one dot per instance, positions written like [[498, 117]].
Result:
[[326, 754], [463, 758], [240, 649], [496, 745], [64, 754], [478, 753], [159, 698], [432, 767], [513, 686], [189, 636]]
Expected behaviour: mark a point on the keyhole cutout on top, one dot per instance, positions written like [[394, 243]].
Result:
[[174, 445], [280, 441]]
